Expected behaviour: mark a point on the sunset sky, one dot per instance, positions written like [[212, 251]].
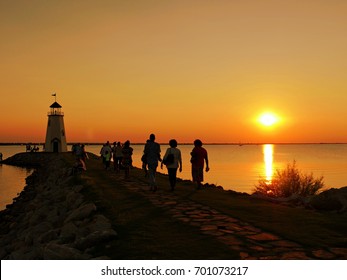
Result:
[[181, 69]]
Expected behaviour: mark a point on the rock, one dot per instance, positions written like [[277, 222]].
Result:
[[330, 200], [41, 228], [295, 255], [62, 252], [95, 238], [74, 200], [78, 188], [49, 214], [323, 254], [68, 232], [340, 252], [263, 237], [48, 236], [3, 253], [98, 223], [82, 212], [26, 254]]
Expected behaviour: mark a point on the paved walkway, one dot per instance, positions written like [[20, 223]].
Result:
[[249, 241]]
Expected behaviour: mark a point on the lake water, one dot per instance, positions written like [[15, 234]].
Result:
[[235, 167], [12, 179]]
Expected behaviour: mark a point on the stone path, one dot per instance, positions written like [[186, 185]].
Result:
[[249, 241]]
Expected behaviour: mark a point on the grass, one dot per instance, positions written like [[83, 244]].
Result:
[[148, 232]]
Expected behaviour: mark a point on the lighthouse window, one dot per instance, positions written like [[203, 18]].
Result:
[[49, 122], [62, 132]]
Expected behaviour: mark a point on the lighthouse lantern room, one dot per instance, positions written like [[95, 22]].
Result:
[[55, 134]]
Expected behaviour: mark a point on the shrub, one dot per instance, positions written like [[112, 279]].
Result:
[[288, 182]]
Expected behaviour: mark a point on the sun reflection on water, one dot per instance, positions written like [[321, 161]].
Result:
[[268, 150]]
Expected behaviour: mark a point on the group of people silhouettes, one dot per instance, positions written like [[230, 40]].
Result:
[[121, 155], [172, 159], [30, 148]]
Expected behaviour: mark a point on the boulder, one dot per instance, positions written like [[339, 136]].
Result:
[[330, 200], [95, 238], [62, 252], [81, 213], [99, 222], [68, 232]]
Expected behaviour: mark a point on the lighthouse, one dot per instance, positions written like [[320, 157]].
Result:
[[55, 135]]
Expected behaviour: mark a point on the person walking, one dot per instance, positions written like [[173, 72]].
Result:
[[107, 159], [106, 153], [127, 161], [173, 160], [84, 157], [198, 159], [144, 162], [117, 156], [152, 155]]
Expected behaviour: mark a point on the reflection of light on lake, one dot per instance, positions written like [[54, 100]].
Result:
[[268, 150]]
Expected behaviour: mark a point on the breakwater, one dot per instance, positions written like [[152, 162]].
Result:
[[51, 218]]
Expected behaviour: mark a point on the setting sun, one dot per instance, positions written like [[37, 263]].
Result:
[[268, 119]]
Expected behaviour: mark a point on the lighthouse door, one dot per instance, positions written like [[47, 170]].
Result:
[[55, 147]]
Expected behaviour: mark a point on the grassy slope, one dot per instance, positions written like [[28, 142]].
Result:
[[146, 232]]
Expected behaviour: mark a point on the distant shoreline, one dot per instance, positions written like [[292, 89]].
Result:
[[164, 143]]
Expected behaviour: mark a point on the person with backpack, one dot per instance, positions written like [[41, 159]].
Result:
[[173, 161]]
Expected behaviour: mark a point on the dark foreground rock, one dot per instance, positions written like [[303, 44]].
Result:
[[333, 200], [51, 219]]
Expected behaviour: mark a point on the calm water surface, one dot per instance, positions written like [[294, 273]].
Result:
[[231, 166], [12, 179]]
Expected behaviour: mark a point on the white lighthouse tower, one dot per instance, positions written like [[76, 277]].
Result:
[[55, 135]]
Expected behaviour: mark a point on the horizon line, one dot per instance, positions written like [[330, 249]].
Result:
[[165, 143]]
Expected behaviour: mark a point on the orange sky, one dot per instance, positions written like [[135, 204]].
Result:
[[181, 69]]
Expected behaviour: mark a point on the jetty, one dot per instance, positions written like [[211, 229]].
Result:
[[98, 214]]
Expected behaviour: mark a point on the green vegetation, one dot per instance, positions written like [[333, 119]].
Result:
[[288, 182]]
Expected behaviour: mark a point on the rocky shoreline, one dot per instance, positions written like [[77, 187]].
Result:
[[51, 219]]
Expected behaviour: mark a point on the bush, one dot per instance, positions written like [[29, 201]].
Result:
[[288, 182]]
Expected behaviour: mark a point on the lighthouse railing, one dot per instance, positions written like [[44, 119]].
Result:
[[55, 113]]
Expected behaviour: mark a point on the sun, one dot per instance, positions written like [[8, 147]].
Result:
[[268, 119]]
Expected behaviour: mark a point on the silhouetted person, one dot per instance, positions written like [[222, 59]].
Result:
[[107, 159], [199, 157], [80, 154], [106, 152], [152, 155], [35, 149], [127, 161], [144, 162], [117, 155], [172, 165], [84, 157]]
